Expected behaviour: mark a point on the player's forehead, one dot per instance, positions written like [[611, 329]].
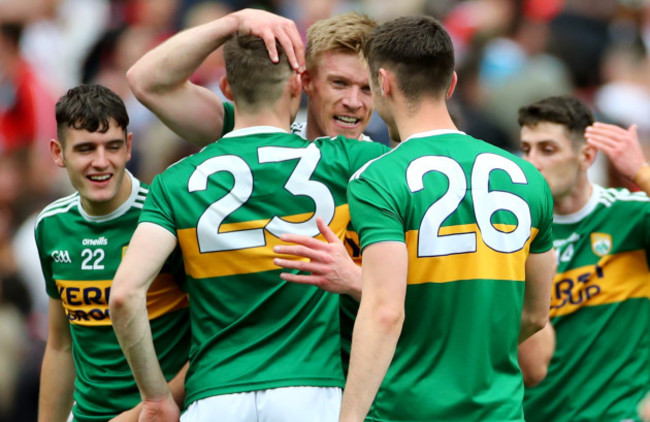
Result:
[[545, 132], [341, 63], [114, 133]]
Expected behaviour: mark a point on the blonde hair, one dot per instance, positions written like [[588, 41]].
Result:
[[344, 33]]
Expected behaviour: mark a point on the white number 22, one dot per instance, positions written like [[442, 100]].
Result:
[[486, 203]]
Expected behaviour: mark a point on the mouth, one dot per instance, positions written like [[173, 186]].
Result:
[[347, 121], [99, 178]]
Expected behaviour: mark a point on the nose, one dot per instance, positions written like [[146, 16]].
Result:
[[352, 98], [100, 158], [533, 158]]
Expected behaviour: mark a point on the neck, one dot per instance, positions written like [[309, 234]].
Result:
[[276, 115], [426, 116], [576, 199]]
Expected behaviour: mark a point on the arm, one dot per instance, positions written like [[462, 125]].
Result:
[[329, 265], [148, 249], [377, 327], [57, 370], [160, 79], [177, 387], [535, 355], [540, 269], [623, 149]]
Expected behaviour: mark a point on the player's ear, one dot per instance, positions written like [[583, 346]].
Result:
[[587, 156], [384, 80], [225, 88], [295, 85], [129, 136], [307, 82], [452, 86], [56, 152]]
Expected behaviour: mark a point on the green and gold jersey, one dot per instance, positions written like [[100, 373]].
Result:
[[469, 214], [600, 309], [228, 205], [79, 255]]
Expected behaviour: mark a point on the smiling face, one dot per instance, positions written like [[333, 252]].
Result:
[[96, 164], [340, 102], [548, 147]]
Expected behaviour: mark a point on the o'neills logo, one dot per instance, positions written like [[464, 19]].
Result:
[[102, 241]]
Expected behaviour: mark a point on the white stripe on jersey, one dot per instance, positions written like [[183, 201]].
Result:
[[48, 212]]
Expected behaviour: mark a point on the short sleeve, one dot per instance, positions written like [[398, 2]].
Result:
[[157, 207], [46, 262], [374, 213], [543, 241]]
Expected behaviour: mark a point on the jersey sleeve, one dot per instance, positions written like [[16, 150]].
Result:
[[228, 118], [543, 241], [374, 213], [157, 207], [46, 263]]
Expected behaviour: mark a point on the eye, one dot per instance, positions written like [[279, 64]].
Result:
[[548, 149], [366, 89], [339, 83]]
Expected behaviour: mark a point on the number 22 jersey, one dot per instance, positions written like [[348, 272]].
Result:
[[79, 255]]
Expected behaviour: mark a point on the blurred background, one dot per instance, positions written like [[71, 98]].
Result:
[[509, 53]]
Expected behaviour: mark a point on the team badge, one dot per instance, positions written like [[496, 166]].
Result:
[[601, 243]]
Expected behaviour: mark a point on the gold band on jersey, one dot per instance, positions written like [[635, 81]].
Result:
[[86, 302], [485, 263], [227, 263], [614, 279]]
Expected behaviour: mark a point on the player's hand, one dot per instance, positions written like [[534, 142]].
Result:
[[330, 266], [130, 415], [620, 145], [272, 27], [163, 410]]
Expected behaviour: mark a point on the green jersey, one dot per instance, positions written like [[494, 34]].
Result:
[[79, 255], [228, 205], [349, 306], [469, 214], [600, 309]]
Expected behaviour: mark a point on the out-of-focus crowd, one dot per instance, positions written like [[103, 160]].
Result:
[[509, 53]]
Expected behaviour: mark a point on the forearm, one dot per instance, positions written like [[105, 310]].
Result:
[[535, 355], [56, 385], [131, 325], [173, 62], [373, 346]]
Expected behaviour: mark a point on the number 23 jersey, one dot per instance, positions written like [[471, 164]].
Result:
[[228, 205]]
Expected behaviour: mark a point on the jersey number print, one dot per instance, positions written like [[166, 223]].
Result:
[[486, 203], [210, 239]]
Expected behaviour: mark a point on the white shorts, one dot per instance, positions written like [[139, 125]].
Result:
[[286, 404]]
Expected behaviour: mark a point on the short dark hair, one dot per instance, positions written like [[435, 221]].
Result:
[[89, 107], [418, 50], [255, 81], [565, 110]]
